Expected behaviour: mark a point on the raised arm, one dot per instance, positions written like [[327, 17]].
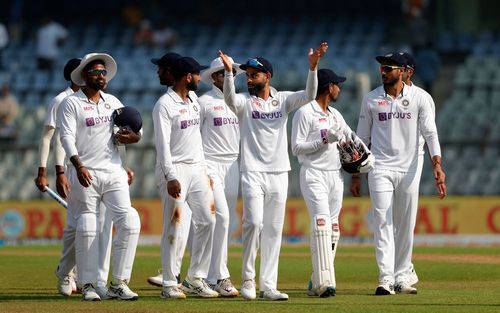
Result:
[[235, 103], [296, 99]]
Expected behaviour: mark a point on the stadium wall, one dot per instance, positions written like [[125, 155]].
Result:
[[455, 220]]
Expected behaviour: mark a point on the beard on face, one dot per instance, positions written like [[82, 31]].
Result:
[[389, 80], [255, 88], [192, 85], [98, 84]]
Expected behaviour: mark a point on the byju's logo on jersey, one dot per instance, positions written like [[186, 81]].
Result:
[[89, 121], [92, 121], [399, 115], [324, 133], [266, 116], [219, 121], [187, 123]]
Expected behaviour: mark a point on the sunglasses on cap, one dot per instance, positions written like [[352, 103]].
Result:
[[389, 68], [97, 72], [254, 63]]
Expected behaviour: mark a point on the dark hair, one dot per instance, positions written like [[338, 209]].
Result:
[[88, 66], [322, 89]]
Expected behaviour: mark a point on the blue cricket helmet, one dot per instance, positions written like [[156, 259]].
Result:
[[128, 116]]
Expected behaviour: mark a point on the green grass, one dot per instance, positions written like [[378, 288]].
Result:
[[447, 284]]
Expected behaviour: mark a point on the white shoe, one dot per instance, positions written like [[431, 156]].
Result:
[[413, 278], [248, 289], [198, 286], [121, 291], [102, 291], [156, 280], [89, 293], [385, 288], [405, 288], [66, 286], [172, 292], [225, 288], [273, 295]]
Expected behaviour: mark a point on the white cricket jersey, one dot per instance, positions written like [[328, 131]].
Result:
[[309, 126], [53, 106], [393, 126], [86, 130], [220, 130], [177, 132], [263, 123], [421, 140]]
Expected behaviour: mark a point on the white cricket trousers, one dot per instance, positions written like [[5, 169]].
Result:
[[111, 189], [196, 191], [264, 199], [394, 197], [226, 179], [67, 261], [323, 192]]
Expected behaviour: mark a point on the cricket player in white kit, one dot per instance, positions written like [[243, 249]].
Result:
[[316, 130], [65, 270], [220, 135], [165, 65], [391, 118], [181, 176], [97, 175], [263, 114], [407, 75]]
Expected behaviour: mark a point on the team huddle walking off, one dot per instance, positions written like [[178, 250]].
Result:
[[198, 142]]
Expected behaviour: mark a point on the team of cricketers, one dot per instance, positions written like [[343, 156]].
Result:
[[197, 142]]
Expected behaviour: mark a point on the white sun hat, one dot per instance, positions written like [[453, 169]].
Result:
[[215, 66], [109, 64]]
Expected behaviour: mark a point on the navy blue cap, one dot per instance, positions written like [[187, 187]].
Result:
[[410, 60], [327, 76], [258, 63], [186, 65], [167, 59], [128, 116], [70, 66], [393, 58]]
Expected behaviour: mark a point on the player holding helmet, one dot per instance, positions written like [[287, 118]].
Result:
[[317, 130]]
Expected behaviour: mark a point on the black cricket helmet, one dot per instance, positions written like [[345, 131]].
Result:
[[128, 116], [352, 154]]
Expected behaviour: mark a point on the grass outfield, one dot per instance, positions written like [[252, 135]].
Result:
[[452, 279]]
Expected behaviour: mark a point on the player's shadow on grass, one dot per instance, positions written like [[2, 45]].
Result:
[[32, 297]]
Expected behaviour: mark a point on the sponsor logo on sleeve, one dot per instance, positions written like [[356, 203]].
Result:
[[323, 133]]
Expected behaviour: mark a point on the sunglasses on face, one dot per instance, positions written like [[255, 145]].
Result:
[[389, 68], [221, 73], [97, 72], [254, 62]]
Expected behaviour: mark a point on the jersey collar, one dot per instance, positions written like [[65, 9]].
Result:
[[317, 108], [176, 97], [83, 97]]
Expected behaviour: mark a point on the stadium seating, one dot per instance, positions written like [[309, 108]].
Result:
[[468, 121]]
